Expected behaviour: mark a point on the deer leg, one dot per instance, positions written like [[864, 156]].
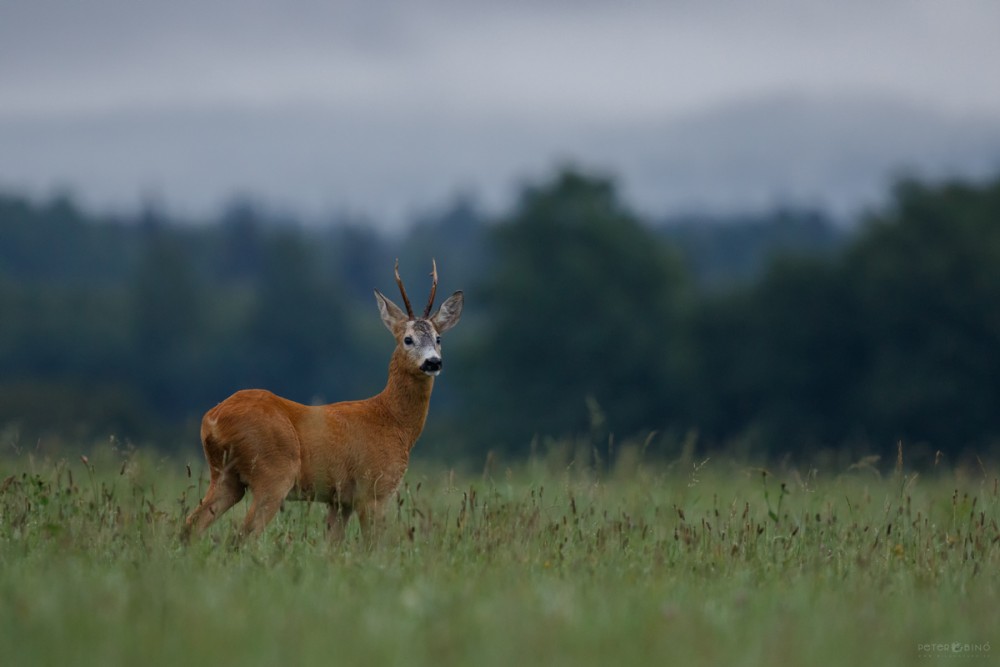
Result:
[[223, 492], [266, 503], [336, 521], [369, 515]]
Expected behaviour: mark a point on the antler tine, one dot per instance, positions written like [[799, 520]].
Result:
[[434, 286], [402, 291]]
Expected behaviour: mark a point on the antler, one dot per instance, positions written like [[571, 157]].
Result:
[[402, 291], [434, 286]]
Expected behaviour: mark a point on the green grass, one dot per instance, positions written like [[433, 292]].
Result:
[[546, 564]]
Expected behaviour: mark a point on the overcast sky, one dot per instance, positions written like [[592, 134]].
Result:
[[403, 69]]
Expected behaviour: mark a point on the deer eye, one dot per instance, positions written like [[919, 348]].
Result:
[[439, 340], [408, 340]]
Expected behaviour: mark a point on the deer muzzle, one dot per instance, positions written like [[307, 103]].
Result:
[[431, 365]]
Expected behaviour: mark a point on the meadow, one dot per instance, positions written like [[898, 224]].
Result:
[[548, 562]]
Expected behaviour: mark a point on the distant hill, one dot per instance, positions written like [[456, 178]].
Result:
[[834, 153]]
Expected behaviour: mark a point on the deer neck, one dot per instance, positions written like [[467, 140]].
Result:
[[406, 397]]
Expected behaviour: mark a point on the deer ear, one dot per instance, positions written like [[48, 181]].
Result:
[[390, 312], [447, 315]]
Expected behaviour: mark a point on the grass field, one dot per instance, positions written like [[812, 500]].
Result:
[[697, 562]]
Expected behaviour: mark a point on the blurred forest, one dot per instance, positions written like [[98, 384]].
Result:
[[778, 333]]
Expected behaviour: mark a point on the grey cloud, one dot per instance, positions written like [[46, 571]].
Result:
[[386, 106]]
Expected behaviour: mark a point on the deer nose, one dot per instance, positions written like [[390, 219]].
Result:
[[431, 365]]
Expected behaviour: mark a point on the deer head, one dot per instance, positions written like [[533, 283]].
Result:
[[418, 339]]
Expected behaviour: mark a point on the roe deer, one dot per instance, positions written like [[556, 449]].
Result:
[[350, 455]]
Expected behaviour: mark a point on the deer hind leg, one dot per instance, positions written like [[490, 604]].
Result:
[[267, 499], [224, 491], [336, 520]]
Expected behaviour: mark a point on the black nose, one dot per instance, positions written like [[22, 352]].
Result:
[[431, 365]]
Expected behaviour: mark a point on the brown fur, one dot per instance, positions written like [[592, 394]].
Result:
[[350, 455]]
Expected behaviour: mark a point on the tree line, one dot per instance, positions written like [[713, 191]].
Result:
[[780, 333]]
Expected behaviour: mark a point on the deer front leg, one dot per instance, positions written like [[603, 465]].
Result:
[[370, 516]]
